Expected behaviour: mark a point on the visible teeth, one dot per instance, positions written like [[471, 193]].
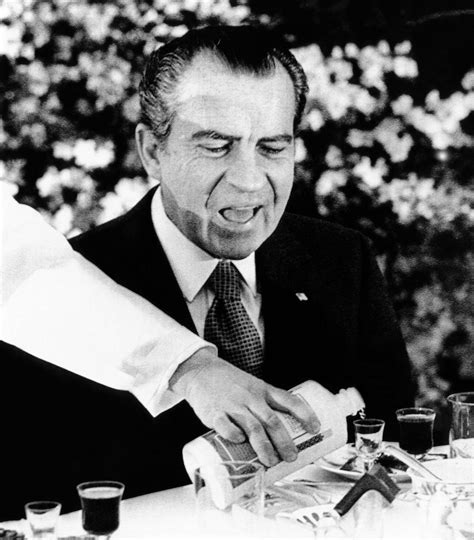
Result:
[[238, 215]]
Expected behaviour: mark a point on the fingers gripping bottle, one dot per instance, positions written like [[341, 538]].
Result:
[[331, 410]]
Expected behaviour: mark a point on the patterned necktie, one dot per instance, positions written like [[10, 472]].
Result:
[[228, 325]]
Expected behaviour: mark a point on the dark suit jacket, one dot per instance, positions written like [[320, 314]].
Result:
[[344, 334]]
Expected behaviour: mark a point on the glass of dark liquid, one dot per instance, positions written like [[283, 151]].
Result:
[[416, 430], [100, 501]]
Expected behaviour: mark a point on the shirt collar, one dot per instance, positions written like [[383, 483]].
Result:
[[191, 265]]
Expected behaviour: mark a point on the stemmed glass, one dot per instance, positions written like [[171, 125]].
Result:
[[100, 501], [368, 440]]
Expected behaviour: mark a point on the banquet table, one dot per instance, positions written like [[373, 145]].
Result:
[[171, 514]]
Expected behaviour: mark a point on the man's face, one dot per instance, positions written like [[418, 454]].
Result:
[[227, 165]]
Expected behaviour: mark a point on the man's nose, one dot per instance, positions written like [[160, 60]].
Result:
[[245, 174]]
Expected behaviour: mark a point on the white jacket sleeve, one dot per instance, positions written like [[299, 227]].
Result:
[[62, 309]]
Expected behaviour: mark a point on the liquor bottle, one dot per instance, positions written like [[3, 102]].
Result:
[[331, 409]]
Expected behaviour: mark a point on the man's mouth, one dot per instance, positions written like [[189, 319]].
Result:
[[239, 214]]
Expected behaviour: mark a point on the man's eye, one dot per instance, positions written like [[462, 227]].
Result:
[[273, 150], [217, 150]]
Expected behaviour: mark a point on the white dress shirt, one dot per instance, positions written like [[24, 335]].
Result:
[[56, 305], [192, 268]]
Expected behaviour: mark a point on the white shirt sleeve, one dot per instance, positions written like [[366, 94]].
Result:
[[56, 305]]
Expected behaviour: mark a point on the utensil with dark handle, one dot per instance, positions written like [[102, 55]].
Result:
[[321, 515]]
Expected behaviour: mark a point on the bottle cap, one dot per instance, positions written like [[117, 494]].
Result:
[[350, 401]]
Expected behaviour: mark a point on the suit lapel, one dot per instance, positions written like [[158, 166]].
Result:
[[290, 309], [151, 272]]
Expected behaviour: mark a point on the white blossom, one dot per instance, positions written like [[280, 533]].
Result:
[[191, 5], [330, 181], [341, 69], [11, 9], [127, 192], [63, 150], [424, 188], [337, 53], [130, 191], [49, 183], [300, 150], [358, 138], [351, 50], [402, 105], [373, 76], [440, 140], [334, 158], [53, 180], [90, 155], [403, 48], [309, 56], [432, 100], [431, 125], [468, 80], [178, 31], [131, 108], [63, 219], [35, 132], [364, 102], [412, 198], [383, 47], [337, 102], [396, 143], [453, 109], [111, 207], [10, 40], [372, 175], [315, 119], [405, 67]]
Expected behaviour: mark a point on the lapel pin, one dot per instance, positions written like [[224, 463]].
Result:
[[301, 296]]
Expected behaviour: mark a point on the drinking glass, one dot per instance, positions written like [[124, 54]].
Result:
[[42, 517], [100, 501], [416, 430], [229, 495], [368, 439], [461, 433]]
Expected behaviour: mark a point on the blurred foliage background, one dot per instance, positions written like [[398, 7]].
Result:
[[386, 144]]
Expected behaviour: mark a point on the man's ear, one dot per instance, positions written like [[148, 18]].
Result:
[[147, 146]]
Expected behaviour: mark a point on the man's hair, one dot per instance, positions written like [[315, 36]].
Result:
[[244, 49]]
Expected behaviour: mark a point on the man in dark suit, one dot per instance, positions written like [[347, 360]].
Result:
[[219, 111]]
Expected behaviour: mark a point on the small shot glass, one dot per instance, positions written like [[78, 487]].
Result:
[[368, 440], [42, 518]]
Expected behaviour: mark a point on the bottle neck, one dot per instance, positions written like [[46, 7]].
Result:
[[350, 401]]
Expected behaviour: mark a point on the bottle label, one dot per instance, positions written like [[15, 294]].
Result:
[[229, 451]]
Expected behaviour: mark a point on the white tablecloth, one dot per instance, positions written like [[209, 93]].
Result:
[[171, 514]]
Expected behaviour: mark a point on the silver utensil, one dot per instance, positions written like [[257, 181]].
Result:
[[409, 460]]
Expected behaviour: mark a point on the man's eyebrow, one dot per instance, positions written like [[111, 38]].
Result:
[[285, 138], [212, 134]]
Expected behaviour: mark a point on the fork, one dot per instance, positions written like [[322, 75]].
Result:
[[322, 518]]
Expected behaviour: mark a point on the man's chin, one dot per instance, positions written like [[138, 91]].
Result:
[[232, 254], [233, 249]]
